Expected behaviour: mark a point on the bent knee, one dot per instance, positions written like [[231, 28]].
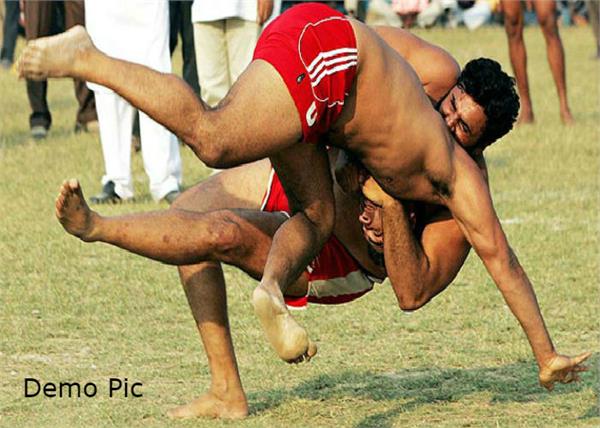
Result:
[[213, 155], [322, 215], [225, 235]]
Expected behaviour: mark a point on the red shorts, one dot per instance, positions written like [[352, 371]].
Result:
[[313, 48], [334, 276]]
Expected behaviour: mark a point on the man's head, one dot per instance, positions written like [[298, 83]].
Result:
[[482, 106]]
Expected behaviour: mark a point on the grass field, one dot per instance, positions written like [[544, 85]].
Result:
[[77, 312]]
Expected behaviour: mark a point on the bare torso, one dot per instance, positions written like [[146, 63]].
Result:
[[389, 123]]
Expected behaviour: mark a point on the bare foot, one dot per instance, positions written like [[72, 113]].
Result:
[[54, 56], [209, 405], [73, 212], [285, 335], [567, 117]]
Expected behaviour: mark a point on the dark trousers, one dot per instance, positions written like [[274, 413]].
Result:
[[10, 30], [43, 18], [180, 17]]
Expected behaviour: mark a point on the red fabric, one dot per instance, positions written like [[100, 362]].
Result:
[[275, 198], [334, 261], [313, 48]]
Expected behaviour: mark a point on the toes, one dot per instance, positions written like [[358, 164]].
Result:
[[59, 204], [74, 184]]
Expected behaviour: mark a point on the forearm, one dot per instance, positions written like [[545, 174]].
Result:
[[520, 298], [406, 263]]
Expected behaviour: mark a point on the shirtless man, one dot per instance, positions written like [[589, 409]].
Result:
[[316, 74]]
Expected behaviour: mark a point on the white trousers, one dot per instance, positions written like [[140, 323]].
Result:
[[224, 49], [160, 149]]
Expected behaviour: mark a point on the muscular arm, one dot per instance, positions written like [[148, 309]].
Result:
[[471, 205], [419, 269], [419, 265]]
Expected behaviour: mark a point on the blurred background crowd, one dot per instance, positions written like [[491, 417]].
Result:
[[217, 40]]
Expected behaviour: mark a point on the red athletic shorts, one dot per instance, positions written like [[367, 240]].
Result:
[[313, 48], [334, 276]]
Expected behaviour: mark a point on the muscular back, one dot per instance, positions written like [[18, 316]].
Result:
[[390, 124]]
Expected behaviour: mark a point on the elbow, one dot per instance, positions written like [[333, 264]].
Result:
[[419, 295], [411, 301], [410, 304]]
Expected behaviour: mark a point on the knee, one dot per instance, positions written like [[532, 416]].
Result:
[[207, 140], [211, 153], [225, 237], [514, 27], [549, 26], [322, 215]]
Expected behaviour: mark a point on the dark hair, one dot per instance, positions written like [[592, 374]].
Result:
[[494, 90]]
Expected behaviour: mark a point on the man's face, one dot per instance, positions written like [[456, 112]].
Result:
[[372, 224], [463, 116]]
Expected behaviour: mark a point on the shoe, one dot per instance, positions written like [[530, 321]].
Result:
[[171, 196], [91, 127], [107, 196], [38, 132]]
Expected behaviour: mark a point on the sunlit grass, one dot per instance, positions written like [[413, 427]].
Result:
[[77, 312]]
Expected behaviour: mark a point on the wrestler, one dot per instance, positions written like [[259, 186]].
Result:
[[317, 74], [427, 247], [347, 267]]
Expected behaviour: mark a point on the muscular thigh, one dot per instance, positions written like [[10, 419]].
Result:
[[257, 118], [240, 187]]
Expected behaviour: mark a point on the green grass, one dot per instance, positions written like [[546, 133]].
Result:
[[76, 312]]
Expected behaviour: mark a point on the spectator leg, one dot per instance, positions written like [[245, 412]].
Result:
[[241, 36], [162, 161], [115, 117], [513, 24], [593, 7], [10, 31], [190, 73], [75, 15], [546, 14], [38, 22], [211, 60]]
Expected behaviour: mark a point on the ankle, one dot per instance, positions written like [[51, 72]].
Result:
[[271, 286], [94, 229], [228, 392]]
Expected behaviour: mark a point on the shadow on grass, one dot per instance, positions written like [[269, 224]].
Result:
[[511, 383]]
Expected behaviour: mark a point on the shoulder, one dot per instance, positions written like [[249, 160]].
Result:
[[438, 71]]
